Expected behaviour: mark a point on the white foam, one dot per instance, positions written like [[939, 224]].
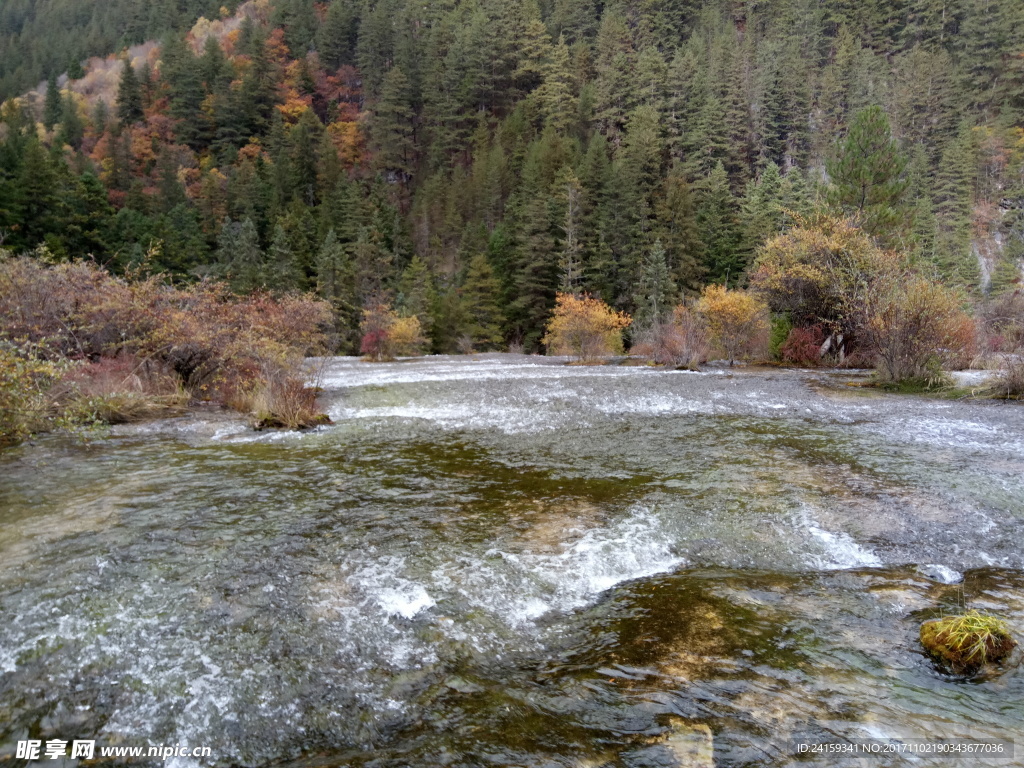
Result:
[[941, 574], [521, 587], [841, 551], [395, 594]]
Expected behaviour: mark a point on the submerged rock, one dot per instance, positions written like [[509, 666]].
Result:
[[687, 745], [692, 746], [967, 644], [941, 574]]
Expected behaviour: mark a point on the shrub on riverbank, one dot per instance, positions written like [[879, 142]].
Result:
[[127, 348], [117, 390], [388, 335], [25, 382], [682, 341], [738, 322], [914, 329], [585, 328]]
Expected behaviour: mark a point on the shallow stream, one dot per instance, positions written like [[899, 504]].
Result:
[[506, 561]]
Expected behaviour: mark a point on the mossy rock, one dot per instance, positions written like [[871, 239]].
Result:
[[965, 644], [272, 421]]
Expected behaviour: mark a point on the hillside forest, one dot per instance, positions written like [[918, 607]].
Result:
[[462, 161]]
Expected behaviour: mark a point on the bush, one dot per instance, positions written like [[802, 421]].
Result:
[[1009, 383], [285, 401], [386, 335], [682, 342], [1003, 322], [821, 273], [584, 328], [803, 346], [913, 328], [738, 322], [25, 382], [117, 390], [782, 326], [143, 345]]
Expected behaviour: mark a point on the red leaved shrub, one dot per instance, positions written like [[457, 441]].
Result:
[[146, 337], [803, 346]]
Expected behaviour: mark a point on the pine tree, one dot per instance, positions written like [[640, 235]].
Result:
[[677, 230], [479, 297], [555, 95], [655, 290], [336, 37], [185, 90], [718, 228], [761, 215], [52, 105], [72, 129], [335, 283], [240, 256], [571, 263], [868, 177], [392, 126], [415, 294], [282, 272], [953, 207], [129, 96]]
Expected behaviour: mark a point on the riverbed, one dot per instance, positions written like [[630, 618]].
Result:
[[503, 560]]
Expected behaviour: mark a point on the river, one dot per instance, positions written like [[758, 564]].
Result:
[[506, 561]]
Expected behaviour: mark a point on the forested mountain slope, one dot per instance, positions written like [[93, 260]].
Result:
[[465, 159], [43, 37]]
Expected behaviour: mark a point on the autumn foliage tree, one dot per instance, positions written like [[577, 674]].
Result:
[[913, 328], [820, 273], [585, 328], [682, 340], [738, 322], [387, 335]]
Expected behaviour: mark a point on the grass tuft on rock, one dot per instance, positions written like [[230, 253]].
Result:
[[966, 643]]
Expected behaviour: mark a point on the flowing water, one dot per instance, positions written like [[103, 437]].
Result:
[[505, 561]]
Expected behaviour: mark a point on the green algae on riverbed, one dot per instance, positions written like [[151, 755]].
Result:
[[501, 561]]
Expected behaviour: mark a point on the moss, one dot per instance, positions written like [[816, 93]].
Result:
[[964, 644]]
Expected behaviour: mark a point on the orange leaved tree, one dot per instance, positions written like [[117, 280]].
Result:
[[584, 328], [386, 335], [914, 328], [737, 321]]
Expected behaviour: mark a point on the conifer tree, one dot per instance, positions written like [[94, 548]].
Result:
[[719, 229], [335, 283], [72, 129], [392, 125], [655, 290], [761, 215], [479, 296], [240, 255], [335, 38], [129, 95], [52, 105], [571, 263], [415, 294], [555, 92], [868, 177], [677, 230]]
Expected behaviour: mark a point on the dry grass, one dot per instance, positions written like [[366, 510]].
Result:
[[119, 390], [1009, 383], [283, 401]]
